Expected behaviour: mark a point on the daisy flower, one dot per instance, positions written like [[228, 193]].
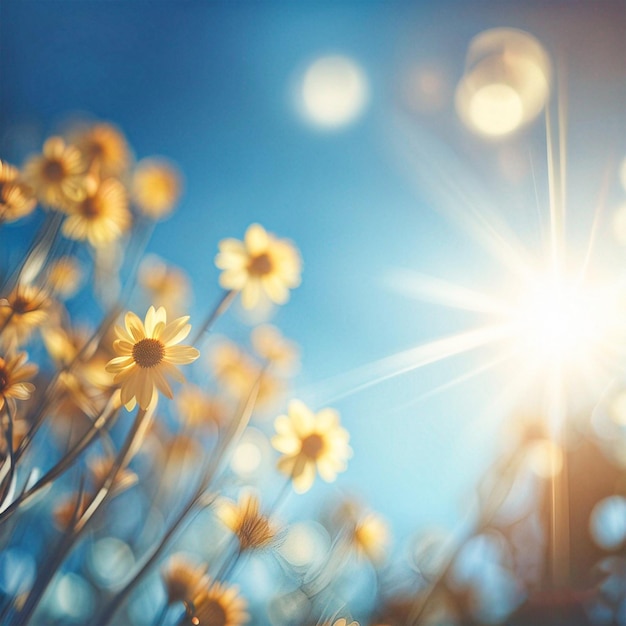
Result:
[[182, 578], [259, 265], [102, 216], [16, 199], [23, 310], [156, 187], [57, 174], [147, 354], [219, 605], [105, 146], [14, 372], [309, 442]]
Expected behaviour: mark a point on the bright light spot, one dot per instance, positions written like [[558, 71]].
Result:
[[496, 109], [334, 92], [619, 225], [558, 320], [608, 522], [506, 83], [74, 597], [17, 571], [617, 409], [545, 458], [110, 559], [306, 543], [246, 459]]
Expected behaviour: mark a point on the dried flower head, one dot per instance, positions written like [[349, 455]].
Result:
[[259, 265], [56, 175], [16, 198], [148, 354], [103, 146], [252, 529], [14, 372], [182, 578], [270, 344], [101, 216], [64, 276], [309, 442], [25, 309], [156, 187], [219, 605]]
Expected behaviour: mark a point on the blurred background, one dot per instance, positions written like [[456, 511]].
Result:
[[382, 138]]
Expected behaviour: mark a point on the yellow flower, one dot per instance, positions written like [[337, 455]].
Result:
[[370, 537], [25, 309], [198, 408], [260, 264], [64, 276], [219, 605], [156, 187], [148, 354], [57, 174], [104, 146], [182, 578], [14, 372], [252, 528], [310, 441], [164, 283], [238, 373], [101, 216], [269, 343], [16, 198]]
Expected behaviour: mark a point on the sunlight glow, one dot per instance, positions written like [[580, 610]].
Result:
[[334, 92], [558, 320]]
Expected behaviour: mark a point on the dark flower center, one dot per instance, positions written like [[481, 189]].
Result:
[[21, 304], [4, 377], [260, 265], [89, 207], [312, 446], [148, 352], [54, 171], [212, 614]]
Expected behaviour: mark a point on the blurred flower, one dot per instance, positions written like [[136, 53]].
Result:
[[238, 372], [105, 146], [64, 276], [182, 578], [165, 284], [14, 372], [310, 441], [252, 528], [269, 343], [56, 175], [101, 216], [198, 408], [20, 428], [147, 354], [342, 621], [101, 467], [261, 264], [25, 309], [16, 198], [370, 537], [68, 510], [156, 188], [219, 605]]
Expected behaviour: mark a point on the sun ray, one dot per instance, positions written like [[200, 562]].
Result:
[[346, 384], [438, 291]]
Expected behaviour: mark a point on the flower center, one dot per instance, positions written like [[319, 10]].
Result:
[[89, 208], [4, 377], [53, 171], [312, 446], [213, 614], [260, 264], [20, 304], [148, 352]]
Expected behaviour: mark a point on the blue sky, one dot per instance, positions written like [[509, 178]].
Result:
[[210, 85]]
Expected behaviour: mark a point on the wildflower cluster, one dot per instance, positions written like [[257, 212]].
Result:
[[106, 448]]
